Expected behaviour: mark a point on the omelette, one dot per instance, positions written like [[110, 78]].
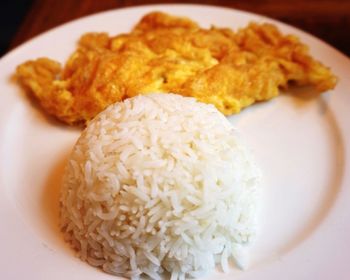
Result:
[[165, 53]]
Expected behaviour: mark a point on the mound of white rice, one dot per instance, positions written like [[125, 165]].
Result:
[[159, 183]]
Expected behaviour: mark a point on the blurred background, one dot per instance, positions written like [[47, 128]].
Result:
[[12, 13], [23, 19]]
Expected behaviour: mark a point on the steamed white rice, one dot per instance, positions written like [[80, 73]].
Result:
[[159, 183]]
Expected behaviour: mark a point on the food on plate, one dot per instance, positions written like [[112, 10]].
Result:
[[164, 53], [160, 183]]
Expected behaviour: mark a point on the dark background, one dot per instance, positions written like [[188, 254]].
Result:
[[329, 20], [11, 15]]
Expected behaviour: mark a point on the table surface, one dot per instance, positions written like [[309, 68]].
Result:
[[326, 19]]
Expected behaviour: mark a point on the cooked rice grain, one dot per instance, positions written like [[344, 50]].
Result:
[[159, 183]]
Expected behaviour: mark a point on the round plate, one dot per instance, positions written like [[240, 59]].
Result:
[[300, 142]]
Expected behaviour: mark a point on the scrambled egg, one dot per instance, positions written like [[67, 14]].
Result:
[[163, 53]]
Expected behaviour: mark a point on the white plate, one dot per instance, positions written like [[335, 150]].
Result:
[[301, 144]]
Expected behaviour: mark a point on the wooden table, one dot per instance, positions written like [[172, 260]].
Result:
[[326, 19]]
